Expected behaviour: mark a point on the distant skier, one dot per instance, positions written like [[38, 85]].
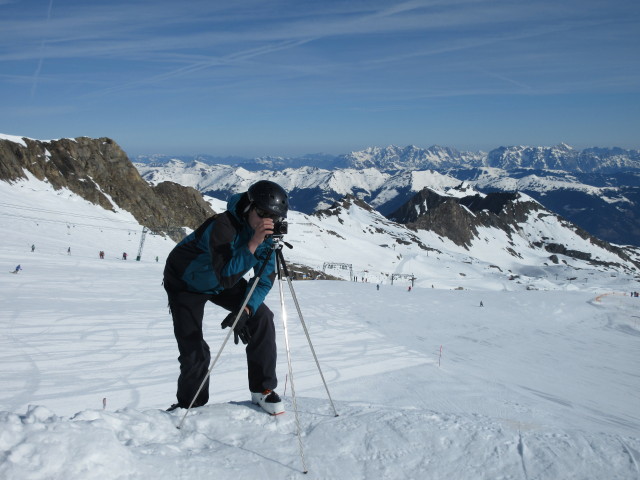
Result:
[[18, 268], [69, 251], [124, 255], [481, 304], [33, 248], [101, 254], [378, 286]]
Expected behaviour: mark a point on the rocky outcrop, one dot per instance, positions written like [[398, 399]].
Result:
[[449, 220], [459, 220], [188, 208], [99, 171]]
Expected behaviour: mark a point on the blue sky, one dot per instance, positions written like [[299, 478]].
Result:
[[250, 78]]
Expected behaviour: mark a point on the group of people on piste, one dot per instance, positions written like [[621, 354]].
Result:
[[101, 255]]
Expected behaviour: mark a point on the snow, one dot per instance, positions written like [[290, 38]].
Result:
[[20, 139], [13, 138], [535, 384], [494, 178]]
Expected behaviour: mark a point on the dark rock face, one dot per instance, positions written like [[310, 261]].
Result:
[[449, 220], [99, 171], [185, 206], [458, 219]]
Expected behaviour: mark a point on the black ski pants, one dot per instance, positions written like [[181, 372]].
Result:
[[187, 310]]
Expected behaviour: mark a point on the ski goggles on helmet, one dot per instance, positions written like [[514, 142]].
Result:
[[262, 213]]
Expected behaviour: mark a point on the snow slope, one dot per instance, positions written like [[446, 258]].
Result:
[[535, 384]]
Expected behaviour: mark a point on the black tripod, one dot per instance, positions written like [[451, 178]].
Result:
[[282, 271]]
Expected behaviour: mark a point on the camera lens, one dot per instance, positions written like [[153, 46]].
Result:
[[280, 228]]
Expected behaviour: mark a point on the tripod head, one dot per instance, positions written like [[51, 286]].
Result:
[[278, 242]]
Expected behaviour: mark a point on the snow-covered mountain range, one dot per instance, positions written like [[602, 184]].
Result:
[[598, 189], [393, 158], [442, 218], [314, 188], [310, 188]]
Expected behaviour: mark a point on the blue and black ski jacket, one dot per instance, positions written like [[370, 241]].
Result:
[[216, 256]]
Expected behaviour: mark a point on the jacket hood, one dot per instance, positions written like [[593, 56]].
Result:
[[237, 204]]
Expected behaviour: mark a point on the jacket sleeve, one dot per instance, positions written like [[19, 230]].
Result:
[[266, 279], [230, 260]]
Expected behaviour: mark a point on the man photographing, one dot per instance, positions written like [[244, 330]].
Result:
[[209, 265]]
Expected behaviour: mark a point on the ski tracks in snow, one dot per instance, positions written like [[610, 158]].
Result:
[[521, 452], [634, 455]]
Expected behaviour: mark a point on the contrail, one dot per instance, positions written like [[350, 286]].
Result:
[[36, 75]]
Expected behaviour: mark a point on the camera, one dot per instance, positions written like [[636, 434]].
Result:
[[280, 228]]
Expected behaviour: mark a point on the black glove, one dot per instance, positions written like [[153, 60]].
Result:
[[242, 329]]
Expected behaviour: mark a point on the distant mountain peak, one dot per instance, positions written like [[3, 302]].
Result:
[[349, 201]]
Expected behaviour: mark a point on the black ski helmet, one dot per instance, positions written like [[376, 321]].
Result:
[[269, 196]]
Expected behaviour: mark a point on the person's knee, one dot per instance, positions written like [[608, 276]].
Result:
[[264, 317], [263, 312], [261, 322]]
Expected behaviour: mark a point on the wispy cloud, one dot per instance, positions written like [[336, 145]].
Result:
[[242, 43], [374, 55], [36, 75], [203, 64], [118, 29]]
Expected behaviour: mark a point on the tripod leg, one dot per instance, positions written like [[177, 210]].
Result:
[[306, 332], [280, 260], [286, 342]]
